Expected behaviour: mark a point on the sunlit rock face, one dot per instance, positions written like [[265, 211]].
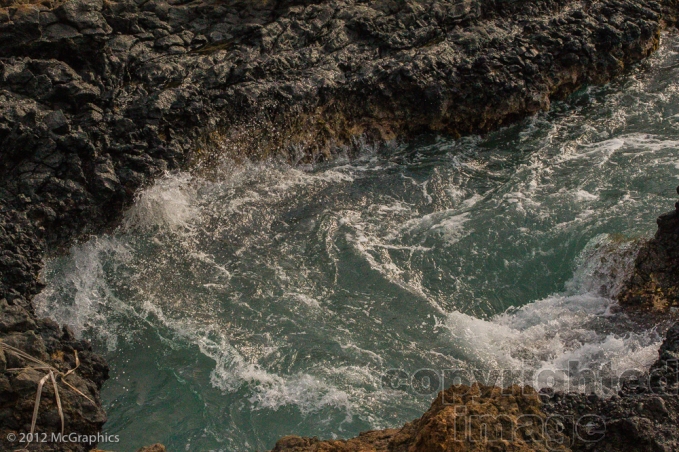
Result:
[[462, 418], [643, 417], [654, 285]]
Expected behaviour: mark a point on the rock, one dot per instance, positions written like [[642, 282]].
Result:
[[56, 122], [14, 318], [153, 448], [5, 387], [28, 342], [670, 348], [461, 419], [58, 31], [83, 14], [654, 284], [295, 443], [657, 406], [27, 381], [169, 41], [105, 178]]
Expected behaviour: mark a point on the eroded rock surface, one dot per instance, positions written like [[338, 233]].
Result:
[[462, 418], [97, 98], [654, 285]]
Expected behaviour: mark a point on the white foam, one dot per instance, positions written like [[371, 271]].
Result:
[[305, 299], [560, 330], [80, 297], [472, 201], [269, 390], [551, 334], [649, 143], [583, 195], [302, 390], [168, 204], [452, 227], [601, 152], [447, 223]]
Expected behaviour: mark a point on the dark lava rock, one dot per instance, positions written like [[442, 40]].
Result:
[[643, 417], [654, 284], [97, 98]]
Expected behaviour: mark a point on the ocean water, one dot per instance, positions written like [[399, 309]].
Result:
[[270, 300]]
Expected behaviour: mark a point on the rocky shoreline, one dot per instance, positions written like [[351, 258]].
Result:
[[98, 98], [644, 416]]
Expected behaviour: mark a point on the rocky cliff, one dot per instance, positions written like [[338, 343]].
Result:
[[97, 98]]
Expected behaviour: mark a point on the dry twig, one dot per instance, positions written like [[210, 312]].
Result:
[[51, 372]]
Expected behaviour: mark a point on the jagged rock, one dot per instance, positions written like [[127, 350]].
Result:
[[670, 347], [27, 381], [58, 31], [56, 121], [14, 318], [105, 178], [85, 15], [153, 448], [654, 284], [462, 418]]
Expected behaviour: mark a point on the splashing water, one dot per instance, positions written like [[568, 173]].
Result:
[[271, 299]]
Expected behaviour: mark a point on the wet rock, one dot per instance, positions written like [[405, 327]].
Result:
[[105, 178], [654, 284], [153, 448], [670, 347]]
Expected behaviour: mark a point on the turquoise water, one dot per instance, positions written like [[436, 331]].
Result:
[[271, 300]]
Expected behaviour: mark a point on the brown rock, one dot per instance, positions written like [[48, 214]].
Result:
[[153, 448], [477, 418]]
